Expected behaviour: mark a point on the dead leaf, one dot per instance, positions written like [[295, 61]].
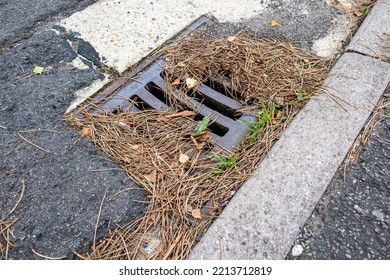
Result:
[[152, 177], [191, 82], [167, 58], [183, 114], [163, 119], [135, 147], [279, 100], [274, 22], [202, 68], [231, 38], [176, 82], [180, 114], [85, 132], [196, 214], [357, 12], [279, 114], [183, 158], [181, 64]]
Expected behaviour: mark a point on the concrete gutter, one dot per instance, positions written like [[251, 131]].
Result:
[[265, 216]]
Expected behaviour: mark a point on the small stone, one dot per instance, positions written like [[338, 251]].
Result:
[[358, 209], [378, 215], [348, 256], [297, 250]]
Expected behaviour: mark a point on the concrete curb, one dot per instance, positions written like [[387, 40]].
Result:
[[265, 216], [368, 39]]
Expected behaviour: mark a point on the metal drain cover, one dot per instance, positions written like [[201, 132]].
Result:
[[212, 100]]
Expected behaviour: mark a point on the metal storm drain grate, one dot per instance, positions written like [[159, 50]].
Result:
[[211, 99], [229, 127]]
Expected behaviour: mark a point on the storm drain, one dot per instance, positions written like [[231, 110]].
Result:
[[212, 99], [229, 126]]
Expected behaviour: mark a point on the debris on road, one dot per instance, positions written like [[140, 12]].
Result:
[[174, 161]]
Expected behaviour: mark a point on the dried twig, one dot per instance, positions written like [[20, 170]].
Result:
[[23, 78], [31, 143], [47, 257], [97, 220], [5, 227], [39, 130], [19, 199], [377, 115]]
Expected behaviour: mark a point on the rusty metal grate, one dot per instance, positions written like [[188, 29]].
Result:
[[210, 99]]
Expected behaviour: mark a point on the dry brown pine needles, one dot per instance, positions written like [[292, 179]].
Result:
[[6, 223], [254, 69], [188, 179], [380, 113]]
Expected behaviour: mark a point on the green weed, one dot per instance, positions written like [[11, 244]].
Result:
[[224, 163], [301, 96], [263, 119], [365, 10]]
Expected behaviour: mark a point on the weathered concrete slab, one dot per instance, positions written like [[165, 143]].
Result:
[[124, 32], [264, 217], [369, 38]]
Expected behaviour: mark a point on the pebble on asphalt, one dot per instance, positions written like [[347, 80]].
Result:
[[297, 250], [378, 215]]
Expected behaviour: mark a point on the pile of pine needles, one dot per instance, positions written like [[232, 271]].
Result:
[[187, 177], [255, 70]]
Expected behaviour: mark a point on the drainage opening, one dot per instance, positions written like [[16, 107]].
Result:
[[157, 92], [215, 127]]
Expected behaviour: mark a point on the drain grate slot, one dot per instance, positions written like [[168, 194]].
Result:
[[213, 99], [140, 104], [157, 92], [215, 127], [223, 87]]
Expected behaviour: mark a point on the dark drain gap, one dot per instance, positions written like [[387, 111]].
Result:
[[117, 111], [215, 104], [203, 98], [140, 104], [223, 88], [215, 127], [157, 92]]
